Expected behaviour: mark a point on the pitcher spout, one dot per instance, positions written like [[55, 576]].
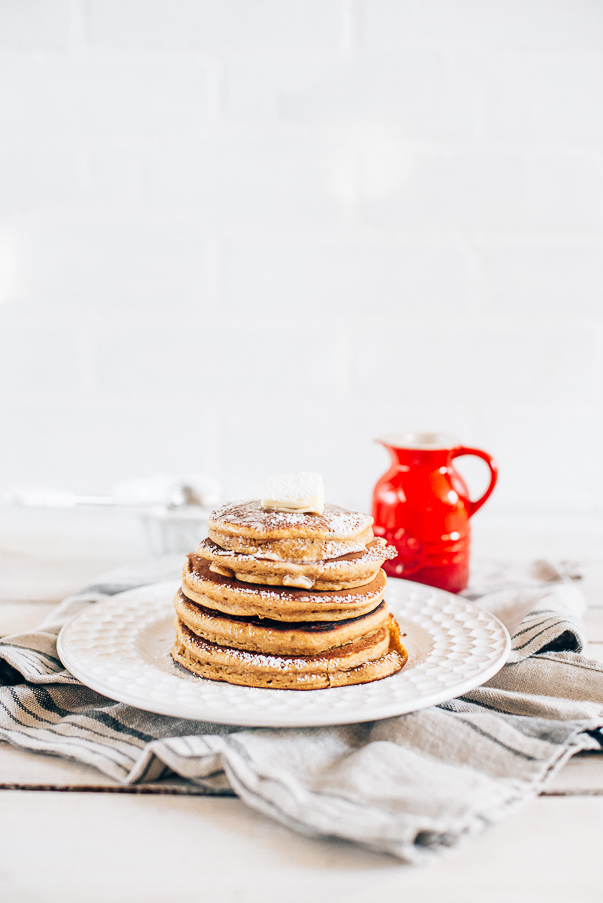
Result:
[[406, 448]]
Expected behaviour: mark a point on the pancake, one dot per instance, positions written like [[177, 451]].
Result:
[[276, 637], [250, 520], [346, 572], [281, 603], [290, 549], [365, 660]]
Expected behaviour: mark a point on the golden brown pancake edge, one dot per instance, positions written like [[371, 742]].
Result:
[[260, 670], [276, 637]]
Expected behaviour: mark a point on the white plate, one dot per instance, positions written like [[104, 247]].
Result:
[[121, 648]]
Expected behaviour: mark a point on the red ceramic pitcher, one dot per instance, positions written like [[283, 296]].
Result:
[[422, 506]]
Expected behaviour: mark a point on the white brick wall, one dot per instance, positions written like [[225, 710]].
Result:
[[212, 25], [36, 23], [341, 278], [251, 235], [543, 277]]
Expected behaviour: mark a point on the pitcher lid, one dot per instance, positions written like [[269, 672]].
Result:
[[420, 439]]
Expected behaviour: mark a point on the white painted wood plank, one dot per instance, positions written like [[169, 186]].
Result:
[[19, 617], [594, 650], [583, 774], [45, 554], [38, 578], [151, 849], [592, 582], [20, 767], [593, 620]]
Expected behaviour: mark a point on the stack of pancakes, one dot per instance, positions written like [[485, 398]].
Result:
[[287, 600]]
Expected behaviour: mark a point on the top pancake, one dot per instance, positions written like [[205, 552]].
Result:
[[250, 520]]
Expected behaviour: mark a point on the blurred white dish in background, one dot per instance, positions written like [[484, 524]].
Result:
[[172, 510], [195, 489], [169, 530], [177, 522]]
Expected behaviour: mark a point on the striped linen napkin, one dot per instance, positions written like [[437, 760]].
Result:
[[412, 786]]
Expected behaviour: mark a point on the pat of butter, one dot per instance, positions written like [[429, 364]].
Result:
[[302, 492]]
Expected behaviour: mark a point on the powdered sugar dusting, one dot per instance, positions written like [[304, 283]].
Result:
[[365, 647], [376, 551], [197, 572], [251, 517]]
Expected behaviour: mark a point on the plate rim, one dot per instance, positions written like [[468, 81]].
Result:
[[313, 719]]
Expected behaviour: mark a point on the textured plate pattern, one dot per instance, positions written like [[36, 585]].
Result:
[[122, 649]]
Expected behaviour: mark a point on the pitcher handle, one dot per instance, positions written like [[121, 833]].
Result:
[[464, 450]]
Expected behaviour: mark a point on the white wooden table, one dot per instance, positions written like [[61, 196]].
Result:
[[70, 834]]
